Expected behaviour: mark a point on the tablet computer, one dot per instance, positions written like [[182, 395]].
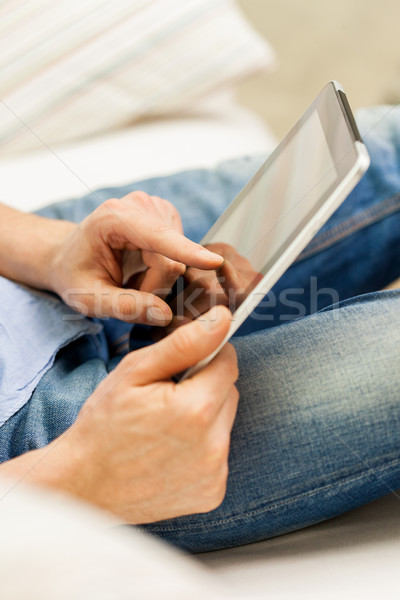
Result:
[[284, 205]]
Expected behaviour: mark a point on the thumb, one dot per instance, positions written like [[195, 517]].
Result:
[[131, 306], [180, 350]]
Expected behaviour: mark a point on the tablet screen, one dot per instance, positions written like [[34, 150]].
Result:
[[271, 220], [288, 190], [261, 222], [269, 213]]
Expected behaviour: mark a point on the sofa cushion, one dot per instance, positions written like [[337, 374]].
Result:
[[71, 68]]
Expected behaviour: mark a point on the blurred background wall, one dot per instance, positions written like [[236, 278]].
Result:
[[353, 41]]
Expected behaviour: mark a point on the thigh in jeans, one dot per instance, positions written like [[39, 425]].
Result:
[[318, 426]]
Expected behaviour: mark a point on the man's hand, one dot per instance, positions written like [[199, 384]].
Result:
[[229, 285], [144, 447], [121, 261], [136, 242]]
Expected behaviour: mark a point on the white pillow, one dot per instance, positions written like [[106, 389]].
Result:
[[72, 68]]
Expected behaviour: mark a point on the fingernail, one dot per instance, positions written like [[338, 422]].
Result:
[[212, 256], [210, 320], [156, 316]]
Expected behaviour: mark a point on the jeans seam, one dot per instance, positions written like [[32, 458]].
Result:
[[292, 499], [364, 219]]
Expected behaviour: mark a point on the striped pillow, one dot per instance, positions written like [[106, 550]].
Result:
[[74, 68]]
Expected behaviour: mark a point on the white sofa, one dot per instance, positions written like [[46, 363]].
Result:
[[45, 539], [354, 556], [213, 131]]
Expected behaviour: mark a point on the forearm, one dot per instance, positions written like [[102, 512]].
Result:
[[63, 467], [54, 466], [28, 245]]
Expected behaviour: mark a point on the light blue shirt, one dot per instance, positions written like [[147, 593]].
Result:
[[33, 327]]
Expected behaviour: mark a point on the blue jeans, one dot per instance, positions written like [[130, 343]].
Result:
[[318, 426]]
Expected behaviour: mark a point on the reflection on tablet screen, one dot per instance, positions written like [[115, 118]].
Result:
[[263, 220]]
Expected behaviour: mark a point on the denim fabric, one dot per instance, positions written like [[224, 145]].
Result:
[[317, 431], [318, 426]]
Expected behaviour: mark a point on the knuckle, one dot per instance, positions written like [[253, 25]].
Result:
[[207, 282], [174, 269], [182, 342], [126, 305], [170, 207], [218, 451], [179, 269], [130, 361], [138, 195], [127, 362], [173, 215], [231, 362], [199, 416], [160, 202], [110, 204]]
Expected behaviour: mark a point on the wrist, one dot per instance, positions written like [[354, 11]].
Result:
[[29, 245], [53, 256], [55, 466]]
